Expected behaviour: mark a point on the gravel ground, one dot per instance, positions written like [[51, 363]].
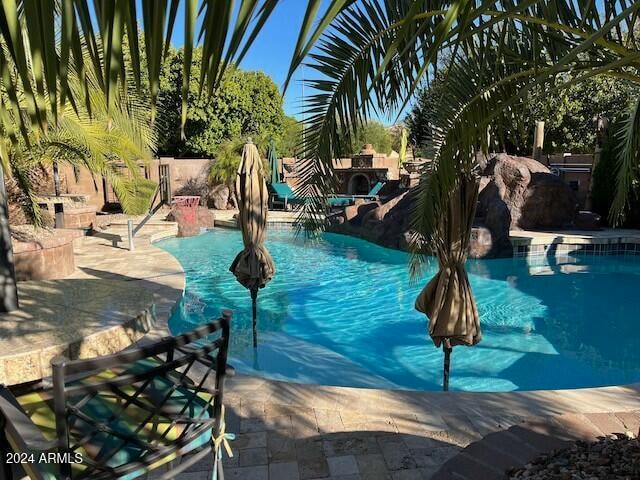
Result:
[[29, 233], [610, 458]]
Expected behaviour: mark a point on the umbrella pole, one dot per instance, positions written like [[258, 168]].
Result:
[[254, 299], [447, 362]]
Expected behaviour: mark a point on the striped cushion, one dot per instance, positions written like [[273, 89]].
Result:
[[105, 407]]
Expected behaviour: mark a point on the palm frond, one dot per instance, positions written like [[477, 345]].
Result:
[[92, 37], [628, 172], [374, 56]]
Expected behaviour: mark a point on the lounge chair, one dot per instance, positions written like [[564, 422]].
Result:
[[346, 200], [282, 194], [123, 415]]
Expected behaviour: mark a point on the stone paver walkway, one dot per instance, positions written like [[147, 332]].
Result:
[[301, 432]]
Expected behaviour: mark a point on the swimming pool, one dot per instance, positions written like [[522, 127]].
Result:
[[340, 312]]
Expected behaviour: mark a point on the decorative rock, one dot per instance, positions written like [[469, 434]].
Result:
[[219, 197], [534, 196], [608, 458], [192, 223]]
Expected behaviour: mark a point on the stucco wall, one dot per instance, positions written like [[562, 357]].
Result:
[[182, 170]]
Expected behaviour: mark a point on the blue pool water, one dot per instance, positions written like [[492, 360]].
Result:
[[340, 312]]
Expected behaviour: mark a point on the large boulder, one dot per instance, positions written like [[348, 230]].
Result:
[[379, 213], [219, 197], [515, 193], [384, 224], [533, 196], [588, 221], [356, 213]]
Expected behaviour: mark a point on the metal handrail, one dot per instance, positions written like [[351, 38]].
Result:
[[133, 231]]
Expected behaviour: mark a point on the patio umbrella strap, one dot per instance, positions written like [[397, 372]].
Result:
[[449, 304], [253, 266]]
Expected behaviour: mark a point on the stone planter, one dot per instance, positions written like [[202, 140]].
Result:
[[47, 258], [83, 218]]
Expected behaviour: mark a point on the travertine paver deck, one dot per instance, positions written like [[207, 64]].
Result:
[[112, 300], [289, 431]]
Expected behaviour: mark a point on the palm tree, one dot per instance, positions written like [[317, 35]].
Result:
[[374, 55], [368, 55], [88, 137], [45, 41]]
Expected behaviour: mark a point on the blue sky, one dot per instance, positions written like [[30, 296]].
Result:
[[272, 51]]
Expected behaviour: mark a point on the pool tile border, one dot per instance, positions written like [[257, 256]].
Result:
[[556, 249]]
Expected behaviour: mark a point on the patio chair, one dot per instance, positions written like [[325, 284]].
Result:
[[281, 194], [124, 415]]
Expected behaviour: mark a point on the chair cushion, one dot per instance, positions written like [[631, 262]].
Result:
[[282, 190], [340, 201], [105, 407]]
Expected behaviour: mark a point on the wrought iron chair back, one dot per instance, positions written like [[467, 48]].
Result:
[[128, 413]]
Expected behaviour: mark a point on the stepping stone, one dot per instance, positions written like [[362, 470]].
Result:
[[463, 467], [506, 441], [484, 453], [541, 440]]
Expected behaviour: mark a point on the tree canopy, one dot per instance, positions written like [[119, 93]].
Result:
[[370, 132], [246, 104], [568, 115]]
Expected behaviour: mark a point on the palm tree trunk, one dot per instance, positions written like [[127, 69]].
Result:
[[9, 300]]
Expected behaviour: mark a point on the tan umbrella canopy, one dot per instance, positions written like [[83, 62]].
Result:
[[447, 299], [253, 266]]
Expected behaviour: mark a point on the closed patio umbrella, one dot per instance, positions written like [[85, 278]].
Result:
[[447, 299], [272, 157], [253, 266]]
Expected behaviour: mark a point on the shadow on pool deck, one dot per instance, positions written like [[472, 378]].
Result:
[[288, 431]]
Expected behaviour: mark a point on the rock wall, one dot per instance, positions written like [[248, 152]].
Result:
[[515, 193]]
